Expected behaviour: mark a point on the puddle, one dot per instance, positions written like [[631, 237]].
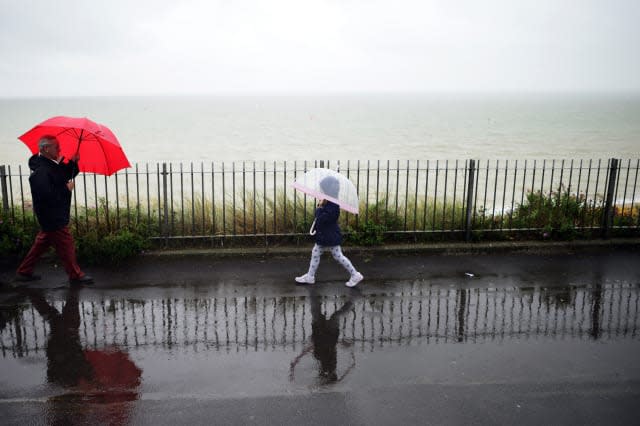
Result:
[[118, 348]]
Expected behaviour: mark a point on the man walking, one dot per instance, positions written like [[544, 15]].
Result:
[[51, 184]]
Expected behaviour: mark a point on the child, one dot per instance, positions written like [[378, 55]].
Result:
[[328, 237]]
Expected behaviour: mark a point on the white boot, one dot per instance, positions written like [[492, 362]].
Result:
[[306, 279], [354, 280]]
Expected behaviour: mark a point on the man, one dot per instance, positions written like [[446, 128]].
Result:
[[51, 184]]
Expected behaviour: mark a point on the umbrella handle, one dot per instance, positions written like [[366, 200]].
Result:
[[74, 167], [312, 230]]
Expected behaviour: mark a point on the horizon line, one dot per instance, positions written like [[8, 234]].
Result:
[[630, 92]]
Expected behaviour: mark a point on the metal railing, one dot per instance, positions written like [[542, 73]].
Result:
[[412, 313], [221, 201]]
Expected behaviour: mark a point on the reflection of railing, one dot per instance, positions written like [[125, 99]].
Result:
[[250, 199], [417, 314]]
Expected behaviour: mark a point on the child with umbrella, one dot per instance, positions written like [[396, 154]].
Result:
[[327, 235]]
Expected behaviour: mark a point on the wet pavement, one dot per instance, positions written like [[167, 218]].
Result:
[[425, 339]]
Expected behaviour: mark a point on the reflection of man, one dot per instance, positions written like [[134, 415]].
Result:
[[51, 184], [324, 339], [10, 310], [66, 363], [93, 376]]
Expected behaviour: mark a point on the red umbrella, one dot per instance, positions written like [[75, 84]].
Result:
[[99, 149], [113, 370]]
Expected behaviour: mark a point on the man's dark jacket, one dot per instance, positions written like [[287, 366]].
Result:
[[51, 197], [327, 229]]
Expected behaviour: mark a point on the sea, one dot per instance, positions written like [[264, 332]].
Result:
[[420, 126]]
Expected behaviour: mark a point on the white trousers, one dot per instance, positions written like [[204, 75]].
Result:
[[336, 252]]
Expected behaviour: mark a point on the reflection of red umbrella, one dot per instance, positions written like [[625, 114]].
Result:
[[99, 149], [105, 396], [113, 370]]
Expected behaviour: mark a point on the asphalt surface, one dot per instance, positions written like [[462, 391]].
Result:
[[432, 337]]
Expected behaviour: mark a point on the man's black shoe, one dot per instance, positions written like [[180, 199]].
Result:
[[85, 279], [23, 278]]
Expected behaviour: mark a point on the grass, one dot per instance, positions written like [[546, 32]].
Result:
[[109, 234]]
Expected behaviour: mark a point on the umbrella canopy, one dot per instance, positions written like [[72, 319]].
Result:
[[329, 185], [113, 369], [99, 149]]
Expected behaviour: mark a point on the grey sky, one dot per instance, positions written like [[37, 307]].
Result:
[[81, 47]]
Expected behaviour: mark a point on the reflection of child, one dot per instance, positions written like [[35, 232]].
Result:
[[328, 236], [325, 333]]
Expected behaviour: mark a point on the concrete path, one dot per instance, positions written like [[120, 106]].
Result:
[[484, 338]]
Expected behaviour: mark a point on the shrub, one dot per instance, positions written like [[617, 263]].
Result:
[[112, 248], [17, 234], [366, 234], [557, 214]]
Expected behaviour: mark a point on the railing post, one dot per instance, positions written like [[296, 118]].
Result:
[[165, 206], [5, 192], [470, 190], [607, 216]]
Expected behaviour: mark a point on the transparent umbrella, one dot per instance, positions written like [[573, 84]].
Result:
[[329, 185]]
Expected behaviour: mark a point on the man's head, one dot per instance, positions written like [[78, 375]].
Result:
[[49, 147]]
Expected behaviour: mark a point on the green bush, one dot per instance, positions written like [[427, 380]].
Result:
[[557, 214], [94, 241], [124, 235], [371, 232], [381, 214], [16, 234], [113, 248], [627, 216], [366, 234]]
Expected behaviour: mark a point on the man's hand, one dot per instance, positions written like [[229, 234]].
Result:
[[76, 157], [70, 185]]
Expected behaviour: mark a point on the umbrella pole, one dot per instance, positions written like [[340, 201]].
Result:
[[76, 166]]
